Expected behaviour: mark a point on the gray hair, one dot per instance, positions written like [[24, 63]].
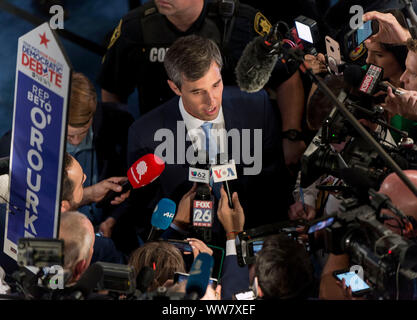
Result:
[[77, 237], [191, 57]]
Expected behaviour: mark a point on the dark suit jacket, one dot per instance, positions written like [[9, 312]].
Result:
[[235, 279], [264, 197]]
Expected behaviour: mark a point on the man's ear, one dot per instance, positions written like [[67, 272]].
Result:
[[79, 269], [174, 88], [65, 206]]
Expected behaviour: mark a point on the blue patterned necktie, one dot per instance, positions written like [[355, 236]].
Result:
[[212, 152]]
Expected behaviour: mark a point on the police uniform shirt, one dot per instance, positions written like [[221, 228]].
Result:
[[137, 50]]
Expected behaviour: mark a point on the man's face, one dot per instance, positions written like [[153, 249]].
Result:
[[77, 176], [409, 77], [203, 98], [76, 135]]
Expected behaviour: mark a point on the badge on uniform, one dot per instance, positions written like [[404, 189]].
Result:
[[261, 24]]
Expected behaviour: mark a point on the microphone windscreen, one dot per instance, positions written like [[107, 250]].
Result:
[[145, 170], [89, 280], [353, 75], [254, 67], [200, 273], [163, 214]]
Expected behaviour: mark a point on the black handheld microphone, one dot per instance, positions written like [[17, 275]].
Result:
[[368, 82], [203, 211]]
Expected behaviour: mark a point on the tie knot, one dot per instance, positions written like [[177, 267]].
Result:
[[206, 126]]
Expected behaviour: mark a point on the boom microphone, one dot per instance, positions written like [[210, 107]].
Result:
[[198, 279], [141, 173], [162, 217], [257, 61]]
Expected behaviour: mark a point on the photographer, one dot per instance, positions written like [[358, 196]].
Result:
[[405, 201], [78, 234]]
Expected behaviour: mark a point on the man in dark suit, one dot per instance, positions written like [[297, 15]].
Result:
[[176, 129]]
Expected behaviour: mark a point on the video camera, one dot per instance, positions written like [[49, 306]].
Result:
[[389, 260]]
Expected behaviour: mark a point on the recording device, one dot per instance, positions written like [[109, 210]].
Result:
[[202, 217], [307, 29], [40, 252], [250, 242], [117, 278], [181, 277], [354, 38], [319, 224], [181, 245], [162, 217], [334, 58], [257, 61], [389, 260], [358, 286], [143, 172], [225, 173], [199, 277], [369, 82]]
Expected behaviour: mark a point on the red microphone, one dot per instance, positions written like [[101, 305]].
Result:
[[143, 172]]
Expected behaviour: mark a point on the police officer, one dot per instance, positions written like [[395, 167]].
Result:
[[136, 52]]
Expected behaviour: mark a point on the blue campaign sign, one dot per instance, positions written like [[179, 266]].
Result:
[[38, 138]]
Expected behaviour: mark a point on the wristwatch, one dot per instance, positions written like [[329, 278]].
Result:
[[293, 135]]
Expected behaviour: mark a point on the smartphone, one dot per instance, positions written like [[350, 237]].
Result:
[[181, 277], [359, 287], [182, 245], [356, 37], [320, 224], [244, 295], [334, 58]]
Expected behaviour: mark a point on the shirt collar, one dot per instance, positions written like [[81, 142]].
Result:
[[195, 123]]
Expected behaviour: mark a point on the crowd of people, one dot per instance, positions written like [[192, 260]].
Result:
[[181, 56]]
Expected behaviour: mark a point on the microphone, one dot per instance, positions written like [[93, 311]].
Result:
[[257, 61], [203, 211], [143, 172], [198, 279], [369, 82], [144, 279], [162, 217], [87, 282]]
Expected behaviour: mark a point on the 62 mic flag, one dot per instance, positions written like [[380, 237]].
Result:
[[43, 74]]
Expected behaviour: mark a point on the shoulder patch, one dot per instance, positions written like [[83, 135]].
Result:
[[358, 52], [261, 24], [116, 34]]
